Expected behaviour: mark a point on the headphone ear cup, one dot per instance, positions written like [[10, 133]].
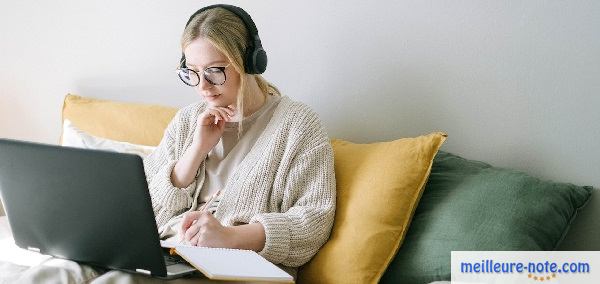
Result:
[[256, 61], [260, 60]]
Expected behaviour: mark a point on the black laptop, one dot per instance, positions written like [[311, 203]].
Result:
[[90, 206]]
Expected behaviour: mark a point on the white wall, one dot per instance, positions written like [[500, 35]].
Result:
[[513, 83]]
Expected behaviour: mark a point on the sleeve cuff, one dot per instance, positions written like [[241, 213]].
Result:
[[277, 232]]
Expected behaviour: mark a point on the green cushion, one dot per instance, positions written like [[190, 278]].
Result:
[[470, 205]]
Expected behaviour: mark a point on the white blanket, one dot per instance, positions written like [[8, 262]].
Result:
[[21, 266]]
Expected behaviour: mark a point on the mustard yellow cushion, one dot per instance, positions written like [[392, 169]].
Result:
[[128, 122], [378, 188]]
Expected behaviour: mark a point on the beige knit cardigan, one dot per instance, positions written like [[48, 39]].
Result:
[[286, 182]]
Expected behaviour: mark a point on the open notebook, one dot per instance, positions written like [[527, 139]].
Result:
[[230, 264]]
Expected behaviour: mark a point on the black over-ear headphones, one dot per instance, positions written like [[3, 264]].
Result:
[[255, 60]]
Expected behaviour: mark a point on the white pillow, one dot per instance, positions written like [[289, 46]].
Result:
[[75, 137]]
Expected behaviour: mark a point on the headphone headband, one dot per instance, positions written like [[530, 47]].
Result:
[[255, 60]]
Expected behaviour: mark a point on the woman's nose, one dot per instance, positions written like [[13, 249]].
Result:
[[204, 84]]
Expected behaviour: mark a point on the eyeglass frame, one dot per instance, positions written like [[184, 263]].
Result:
[[220, 68]]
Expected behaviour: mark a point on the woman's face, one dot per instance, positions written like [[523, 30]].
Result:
[[201, 54]]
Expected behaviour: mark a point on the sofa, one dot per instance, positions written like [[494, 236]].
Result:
[[403, 205]]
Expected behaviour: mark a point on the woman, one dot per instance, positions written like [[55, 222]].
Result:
[[245, 167]]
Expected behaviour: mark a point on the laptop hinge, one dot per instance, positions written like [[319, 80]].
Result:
[[143, 271]]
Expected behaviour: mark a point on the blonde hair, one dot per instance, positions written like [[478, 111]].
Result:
[[227, 32]]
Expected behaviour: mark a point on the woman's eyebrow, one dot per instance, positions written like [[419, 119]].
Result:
[[207, 65]]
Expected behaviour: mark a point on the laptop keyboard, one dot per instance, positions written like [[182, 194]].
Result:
[[173, 259]]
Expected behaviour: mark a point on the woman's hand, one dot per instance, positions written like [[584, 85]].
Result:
[[206, 136], [200, 228], [210, 126]]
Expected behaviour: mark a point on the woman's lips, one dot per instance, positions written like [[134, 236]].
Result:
[[212, 97]]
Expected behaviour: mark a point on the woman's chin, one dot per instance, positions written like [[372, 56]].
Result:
[[216, 101]]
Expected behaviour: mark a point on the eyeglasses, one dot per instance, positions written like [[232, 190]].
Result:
[[213, 75]]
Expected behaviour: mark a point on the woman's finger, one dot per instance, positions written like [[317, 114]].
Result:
[[188, 219], [209, 112], [224, 115], [229, 111], [218, 115], [191, 232], [194, 240], [206, 117]]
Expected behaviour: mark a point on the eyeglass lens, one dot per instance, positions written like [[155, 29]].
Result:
[[214, 75]]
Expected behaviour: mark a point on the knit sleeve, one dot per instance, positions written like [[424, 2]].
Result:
[[167, 199], [294, 236]]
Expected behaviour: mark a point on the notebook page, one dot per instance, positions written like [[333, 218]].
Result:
[[232, 264], [169, 244]]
